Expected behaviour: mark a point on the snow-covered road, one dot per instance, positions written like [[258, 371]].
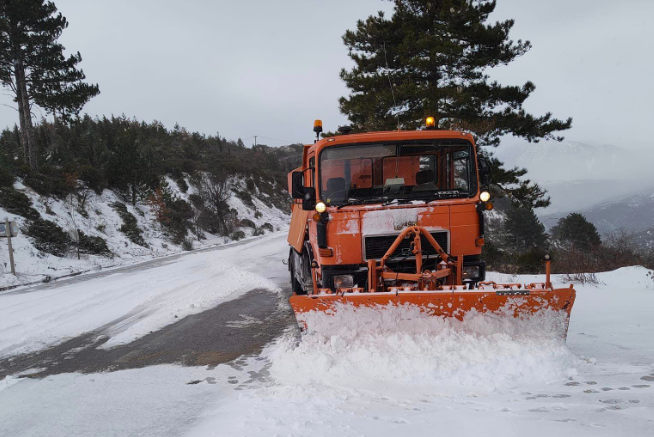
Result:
[[134, 301], [365, 376]]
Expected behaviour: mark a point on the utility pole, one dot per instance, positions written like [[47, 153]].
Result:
[[11, 250], [255, 141]]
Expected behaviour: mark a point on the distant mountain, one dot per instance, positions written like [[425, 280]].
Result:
[[634, 214], [579, 175]]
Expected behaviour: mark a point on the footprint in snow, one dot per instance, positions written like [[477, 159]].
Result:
[[211, 380], [611, 401], [391, 420], [540, 410], [606, 389], [590, 391], [640, 386], [591, 383], [572, 384], [624, 388], [232, 380], [612, 408], [565, 420], [648, 378], [562, 396]]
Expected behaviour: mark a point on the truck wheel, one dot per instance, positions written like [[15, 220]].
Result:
[[296, 287], [308, 279]]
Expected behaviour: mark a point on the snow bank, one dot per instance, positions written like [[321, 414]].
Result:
[[404, 345]]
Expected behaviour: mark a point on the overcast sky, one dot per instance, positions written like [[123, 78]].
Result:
[[269, 68]]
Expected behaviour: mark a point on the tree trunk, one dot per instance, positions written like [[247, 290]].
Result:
[[29, 146]]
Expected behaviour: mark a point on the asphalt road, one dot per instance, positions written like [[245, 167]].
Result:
[[238, 327]]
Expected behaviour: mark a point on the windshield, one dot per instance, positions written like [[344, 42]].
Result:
[[399, 171]]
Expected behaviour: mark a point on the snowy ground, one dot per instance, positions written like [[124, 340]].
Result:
[[363, 375]]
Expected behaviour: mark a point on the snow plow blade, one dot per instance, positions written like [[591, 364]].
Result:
[[447, 303]]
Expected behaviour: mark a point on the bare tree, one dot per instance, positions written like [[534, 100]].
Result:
[[215, 190]]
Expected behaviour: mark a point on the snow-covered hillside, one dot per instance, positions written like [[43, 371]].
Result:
[[579, 175], [103, 220]]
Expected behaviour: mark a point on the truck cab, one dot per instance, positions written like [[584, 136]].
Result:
[[354, 194]]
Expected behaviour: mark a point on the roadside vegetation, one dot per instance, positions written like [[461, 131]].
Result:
[[517, 241]]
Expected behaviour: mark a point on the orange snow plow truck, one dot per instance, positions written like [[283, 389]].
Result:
[[395, 218]]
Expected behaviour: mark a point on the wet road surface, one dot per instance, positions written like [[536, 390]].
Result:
[[239, 327]]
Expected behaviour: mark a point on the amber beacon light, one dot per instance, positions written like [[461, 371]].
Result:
[[430, 123]]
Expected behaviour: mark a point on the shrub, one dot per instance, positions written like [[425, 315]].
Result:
[[248, 223], [130, 225], [257, 214], [267, 227], [181, 183], [258, 232], [93, 245], [238, 235], [17, 203], [582, 278], [49, 237], [245, 197], [187, 244], [179, 214]]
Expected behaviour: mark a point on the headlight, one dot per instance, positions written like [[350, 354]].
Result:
[[484, 196], [471, 272], [321, 207], [343, 281]]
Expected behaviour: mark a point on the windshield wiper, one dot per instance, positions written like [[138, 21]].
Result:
[[353, 201]]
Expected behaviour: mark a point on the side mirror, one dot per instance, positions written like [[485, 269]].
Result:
[[484, 170], [309, 199], [297, 185]]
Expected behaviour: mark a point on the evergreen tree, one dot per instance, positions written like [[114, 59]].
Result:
[[523, 230], [577, 231], [34, 68], [430, 58]]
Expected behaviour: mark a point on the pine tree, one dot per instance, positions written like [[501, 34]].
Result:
[[577, 231], [429, 59], [523, 230], [34, 68]]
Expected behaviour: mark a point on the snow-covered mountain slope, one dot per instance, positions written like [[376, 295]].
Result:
[[579, 175], [103, 220]]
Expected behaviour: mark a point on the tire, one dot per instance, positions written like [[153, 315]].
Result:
[[296, 287], [308, 278]]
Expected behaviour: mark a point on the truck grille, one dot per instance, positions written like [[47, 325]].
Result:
[[376, 246]]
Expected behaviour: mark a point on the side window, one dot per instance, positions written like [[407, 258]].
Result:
[[312, 165], [461, 170]]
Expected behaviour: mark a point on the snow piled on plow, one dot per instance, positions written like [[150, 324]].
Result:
[[402, 345]]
